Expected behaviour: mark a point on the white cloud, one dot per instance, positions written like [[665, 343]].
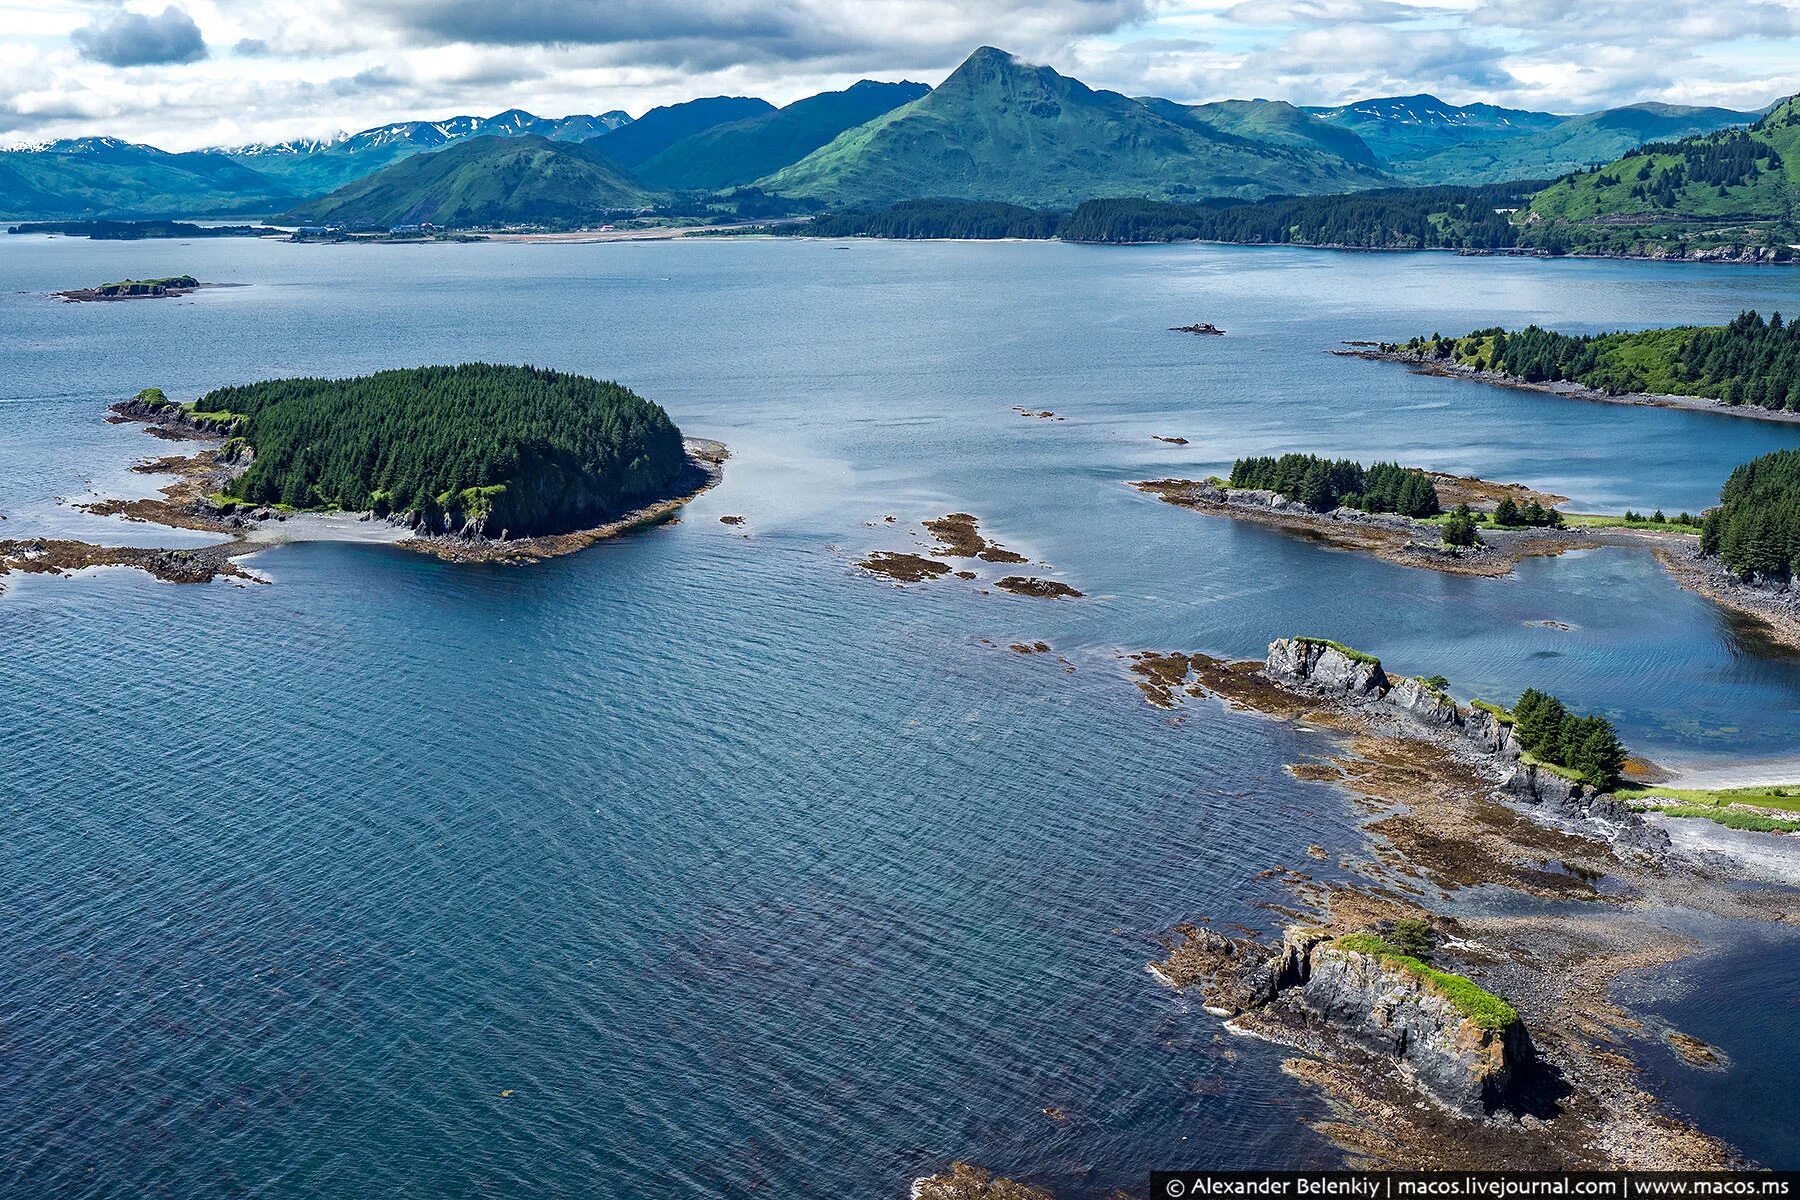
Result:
[[282, 68]]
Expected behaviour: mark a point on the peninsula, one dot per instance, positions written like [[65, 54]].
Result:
[[1447, 1035], [1747, 368], [1411, 517]]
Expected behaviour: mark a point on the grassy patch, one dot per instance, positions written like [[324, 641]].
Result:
[[1469, 998], [1348, 652], [1780, 796], [1504, 716], [1609, 521], [1731, 818]]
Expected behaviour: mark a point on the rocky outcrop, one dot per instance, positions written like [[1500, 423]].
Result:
[[1385, 1008], [1423, 702], [1319, 667], [1315, 986]]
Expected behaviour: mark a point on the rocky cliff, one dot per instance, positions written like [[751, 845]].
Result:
[[1325, 668], [1461, 1045]]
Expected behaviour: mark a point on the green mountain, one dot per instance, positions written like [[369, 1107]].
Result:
[[1735, 187], [660, 128], [485, 181], [105, 177], [1403, 128], [740, 151], [1574, 143], [1269, 121], [998, 129]]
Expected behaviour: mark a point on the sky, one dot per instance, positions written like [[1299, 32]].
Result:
[[196, 73]]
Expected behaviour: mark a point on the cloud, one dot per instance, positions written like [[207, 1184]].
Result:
[[714, 34], [129, 39], [286, 68]]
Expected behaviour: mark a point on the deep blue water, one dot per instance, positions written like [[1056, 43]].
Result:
[[741, 872]]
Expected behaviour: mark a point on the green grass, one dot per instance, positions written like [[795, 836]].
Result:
[[1609, 521], [1731, 818], [1348, 652], [1503, 715], [222, 416], [1784, 796], [1731, 807], [1553, 768], [228, 504], [1469, 998]]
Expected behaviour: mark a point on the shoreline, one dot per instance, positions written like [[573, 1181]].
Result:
[[1776, 614], [1572, 391], [186, 504], [1396, 539], [1451, 814]]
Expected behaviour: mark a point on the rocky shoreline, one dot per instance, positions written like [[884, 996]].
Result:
[[1392, 538], [135, 289], [1776, 610], [1422, 365], [1421, 1062], [57, 556]]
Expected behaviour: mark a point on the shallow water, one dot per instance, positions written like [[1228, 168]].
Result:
[[739, 870]]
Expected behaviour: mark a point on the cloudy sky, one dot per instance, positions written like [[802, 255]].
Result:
[[210, 72]]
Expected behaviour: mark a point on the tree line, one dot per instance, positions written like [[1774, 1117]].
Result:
[[1586, 746], [1392, 218], [1748, 361], [534, 447], [1755, 530], [1323, 484]]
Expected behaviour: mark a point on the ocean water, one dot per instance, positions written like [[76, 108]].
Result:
[[700, 863]]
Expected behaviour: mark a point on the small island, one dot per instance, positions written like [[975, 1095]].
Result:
[[1409, 516], [1748, 368], [469, 462], [136, 289]]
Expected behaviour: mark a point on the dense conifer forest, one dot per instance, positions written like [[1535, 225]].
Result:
[[1393, 218], [1756, 528], [1323, 484], [528, 450], [1750, 361]]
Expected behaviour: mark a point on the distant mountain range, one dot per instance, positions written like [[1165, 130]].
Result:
[[1729, 193], [1422, 140], [996, 130]]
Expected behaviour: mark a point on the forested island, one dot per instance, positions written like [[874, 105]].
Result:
[[476, 452], [1750, 366], [1408, 516]]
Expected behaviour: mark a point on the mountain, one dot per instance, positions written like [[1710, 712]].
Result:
[[106, 177], [737, 152], [311, 168], [524, 179], [1731, 188], [1274, 121], [661, 128], [1402, 128], [1574, 143], [999, 129]]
